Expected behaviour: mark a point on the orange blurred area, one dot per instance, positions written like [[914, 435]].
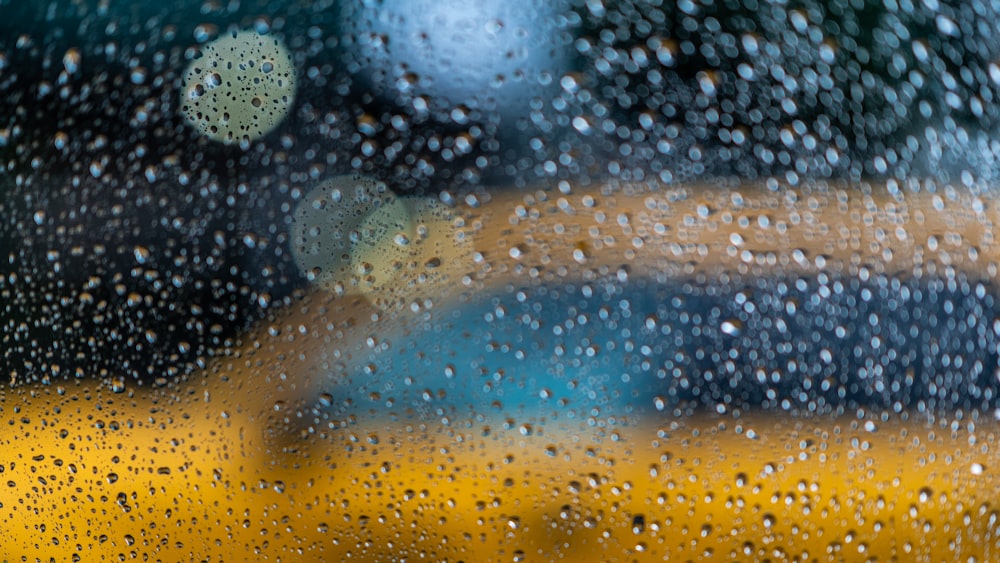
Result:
[[244, 460], [91, 475]]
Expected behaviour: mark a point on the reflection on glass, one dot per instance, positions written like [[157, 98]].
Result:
[[316, 281]]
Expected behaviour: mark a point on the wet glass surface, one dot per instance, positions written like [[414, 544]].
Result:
[[384, 280]]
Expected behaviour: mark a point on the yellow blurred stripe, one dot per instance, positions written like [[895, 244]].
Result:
[[97, 475]]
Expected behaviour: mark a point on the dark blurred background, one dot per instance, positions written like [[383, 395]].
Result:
[[131, 248]]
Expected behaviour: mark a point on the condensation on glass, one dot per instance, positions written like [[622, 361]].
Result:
[[527, 280]]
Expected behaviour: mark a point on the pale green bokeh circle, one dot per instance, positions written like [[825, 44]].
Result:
[[240, 88], [352, 232]]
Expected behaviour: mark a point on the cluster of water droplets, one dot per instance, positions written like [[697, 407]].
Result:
[[717, 271]]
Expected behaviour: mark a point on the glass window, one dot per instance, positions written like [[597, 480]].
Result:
[[511, 280]]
